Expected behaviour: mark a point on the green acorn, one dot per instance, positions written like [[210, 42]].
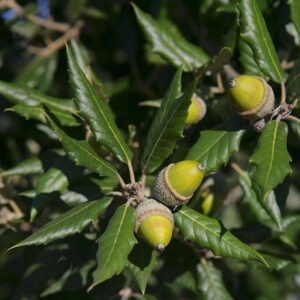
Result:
[[196, 110], [176, 184], [251, 97], [154, 223]]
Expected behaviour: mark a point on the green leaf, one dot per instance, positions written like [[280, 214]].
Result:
[[83, 154], [115, 245], [295, 16], [54, 181], [141, 262], [38, 73], [168, 124], [211, 282], [215, 147], [71, 222], [255, 33], [277, 263], [96, 113], [271, 159], [210, 233], [63, 109], [28, 112], [250, 199], [217, 62], [168, 42], [247, 60], [80, 55], [293, 82], [29, 166]]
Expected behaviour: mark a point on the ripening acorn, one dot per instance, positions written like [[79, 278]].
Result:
[[176, 184], [196, 110], [251, 97], [154, 223], [207, 203]]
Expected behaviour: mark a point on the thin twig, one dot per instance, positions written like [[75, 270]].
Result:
[[292, 118], [59, 43], [48, 23], [116, 193], [131, 172], [143, 182], [122, 182], [283, 96]]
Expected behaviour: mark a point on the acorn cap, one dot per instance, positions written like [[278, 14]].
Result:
[[154, 223], [176, 183], [251, 96], [196, 110]]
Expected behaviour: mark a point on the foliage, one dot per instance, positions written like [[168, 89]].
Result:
[[94, 98]]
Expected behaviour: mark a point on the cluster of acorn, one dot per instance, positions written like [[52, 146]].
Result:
[[252, 98], [173, 186]]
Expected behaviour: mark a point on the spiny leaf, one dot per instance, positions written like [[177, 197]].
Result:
[[83, 154], [215, 147], [211, 282], [115, 245], [141, 262], [169, 43], [96, 113], [255, 33], [71, 222], [63, 109], [209, 233], [168, 124], [271, 159], [28, 112]]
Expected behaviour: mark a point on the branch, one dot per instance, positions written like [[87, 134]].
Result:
[[283, 96], [59, 43], [50, 24], [292, 118]]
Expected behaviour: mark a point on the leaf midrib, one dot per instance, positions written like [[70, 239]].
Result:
[[264, 39], [57, 223], [115, 240], [272, 158], [224, 239], [205, 265], [103, 115], [159, 138]]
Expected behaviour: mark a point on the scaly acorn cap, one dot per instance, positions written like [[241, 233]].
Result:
[[176, 184], [154, 223], [251, 96], [196, 110]]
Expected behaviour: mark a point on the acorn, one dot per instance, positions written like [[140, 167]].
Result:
[[207, 203], [251, 97], [176, 184], [154, 223], [196, 110]]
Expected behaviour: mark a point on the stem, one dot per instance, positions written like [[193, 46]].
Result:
[[283, 96], [59, 43], [131, 172], [143, 182], [57, 26], [122, 182], [116, 193], [293, 118], [220, 82]]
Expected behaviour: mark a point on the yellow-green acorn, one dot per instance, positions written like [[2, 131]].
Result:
[[207, 203], [251, 96], [176, 184], [154, 223], [196, 110]]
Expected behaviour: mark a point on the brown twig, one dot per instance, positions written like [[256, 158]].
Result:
[[59, 43], [293, 118], [283, 96], [131, 172], [48, 23]]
